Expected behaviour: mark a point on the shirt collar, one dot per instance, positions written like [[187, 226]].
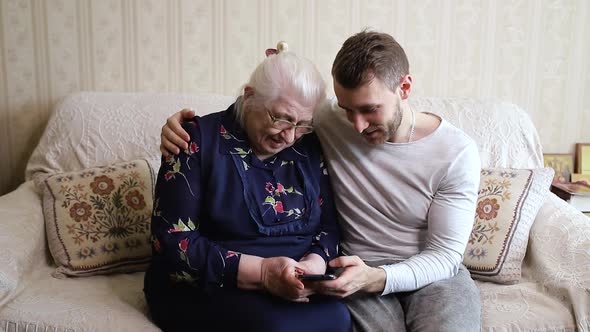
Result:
[[233, 139]]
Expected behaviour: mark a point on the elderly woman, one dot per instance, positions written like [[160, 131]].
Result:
[[246, 209]]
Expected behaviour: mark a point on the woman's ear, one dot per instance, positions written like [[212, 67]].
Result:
[[248, 92]]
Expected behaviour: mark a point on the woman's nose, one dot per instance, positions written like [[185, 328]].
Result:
[[288, 135]]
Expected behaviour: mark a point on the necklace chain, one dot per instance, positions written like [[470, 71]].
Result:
[[413, 126]]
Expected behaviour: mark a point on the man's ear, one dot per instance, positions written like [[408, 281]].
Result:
[[405, 86], [248, 92]]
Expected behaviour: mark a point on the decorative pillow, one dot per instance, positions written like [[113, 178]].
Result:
[[508, 202], [98, 219]]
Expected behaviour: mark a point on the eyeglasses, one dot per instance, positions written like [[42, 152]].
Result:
[[281, 124]]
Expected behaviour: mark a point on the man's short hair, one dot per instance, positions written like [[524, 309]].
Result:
[[370, 54]]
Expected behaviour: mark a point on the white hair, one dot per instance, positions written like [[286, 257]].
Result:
[[283, 74]]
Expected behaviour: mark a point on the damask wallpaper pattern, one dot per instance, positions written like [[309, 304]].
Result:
[[532, 53]]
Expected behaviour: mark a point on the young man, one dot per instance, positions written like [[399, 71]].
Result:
[[406, 190]]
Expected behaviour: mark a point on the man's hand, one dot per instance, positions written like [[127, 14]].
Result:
[[173, 137], [356, 276]]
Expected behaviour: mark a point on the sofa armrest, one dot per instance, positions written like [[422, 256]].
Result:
[[558, 256], [22, 238]]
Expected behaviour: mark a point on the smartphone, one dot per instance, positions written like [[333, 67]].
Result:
[[316, 277]]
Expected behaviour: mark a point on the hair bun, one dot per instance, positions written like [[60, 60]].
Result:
[[282, 46]]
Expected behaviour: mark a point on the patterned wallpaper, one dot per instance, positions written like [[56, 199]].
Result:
[[531, 52]]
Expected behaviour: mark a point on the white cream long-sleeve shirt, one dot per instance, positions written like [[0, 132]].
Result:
[[408, 203]]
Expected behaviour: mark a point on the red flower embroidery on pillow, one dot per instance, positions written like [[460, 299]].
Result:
[[487, 209], [80, 211], [135, 200], [102, 185]]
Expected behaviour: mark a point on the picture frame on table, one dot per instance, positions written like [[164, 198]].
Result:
[[562, 164], [577, 177], [583, 158]]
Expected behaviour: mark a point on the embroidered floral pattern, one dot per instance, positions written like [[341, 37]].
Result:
[[184, 277], [174, 163], [230, 254], [86, 252], [491, 195], [508, 174], [110, 247], [192, 149], [135, 200], [488, 209], [105, 211], [485, 172], [227, 135], [242, 153], [507, 206], [102, 185], [477, 253], [184, 242], [317, 239], [182, 227], [100, 218], [157, 245], [80, 211], [133, 243], [274, 196], [284, 162]]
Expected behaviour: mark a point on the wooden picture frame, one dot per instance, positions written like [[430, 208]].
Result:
[[577, 177], [562, 164], [583, 158]]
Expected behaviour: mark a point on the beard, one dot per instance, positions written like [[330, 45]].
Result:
[[386, 130], [393, 125]]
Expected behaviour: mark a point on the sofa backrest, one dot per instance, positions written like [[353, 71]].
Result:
[[89, 129], [504, 133]]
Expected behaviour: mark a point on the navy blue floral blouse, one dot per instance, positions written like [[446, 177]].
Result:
[[216, 200]]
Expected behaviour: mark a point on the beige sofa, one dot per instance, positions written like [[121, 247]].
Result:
[[89, 129]]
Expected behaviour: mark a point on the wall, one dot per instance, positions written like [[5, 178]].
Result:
[[533, 53]]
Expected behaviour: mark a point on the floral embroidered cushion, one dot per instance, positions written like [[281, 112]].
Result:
[[98, 219], [508, 202]]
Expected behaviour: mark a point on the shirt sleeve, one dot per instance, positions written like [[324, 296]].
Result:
[[326, 240], [450, 220], [175, 222]]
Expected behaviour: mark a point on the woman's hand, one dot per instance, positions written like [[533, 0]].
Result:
[[173, 137], [279, 277], [314, 264]]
